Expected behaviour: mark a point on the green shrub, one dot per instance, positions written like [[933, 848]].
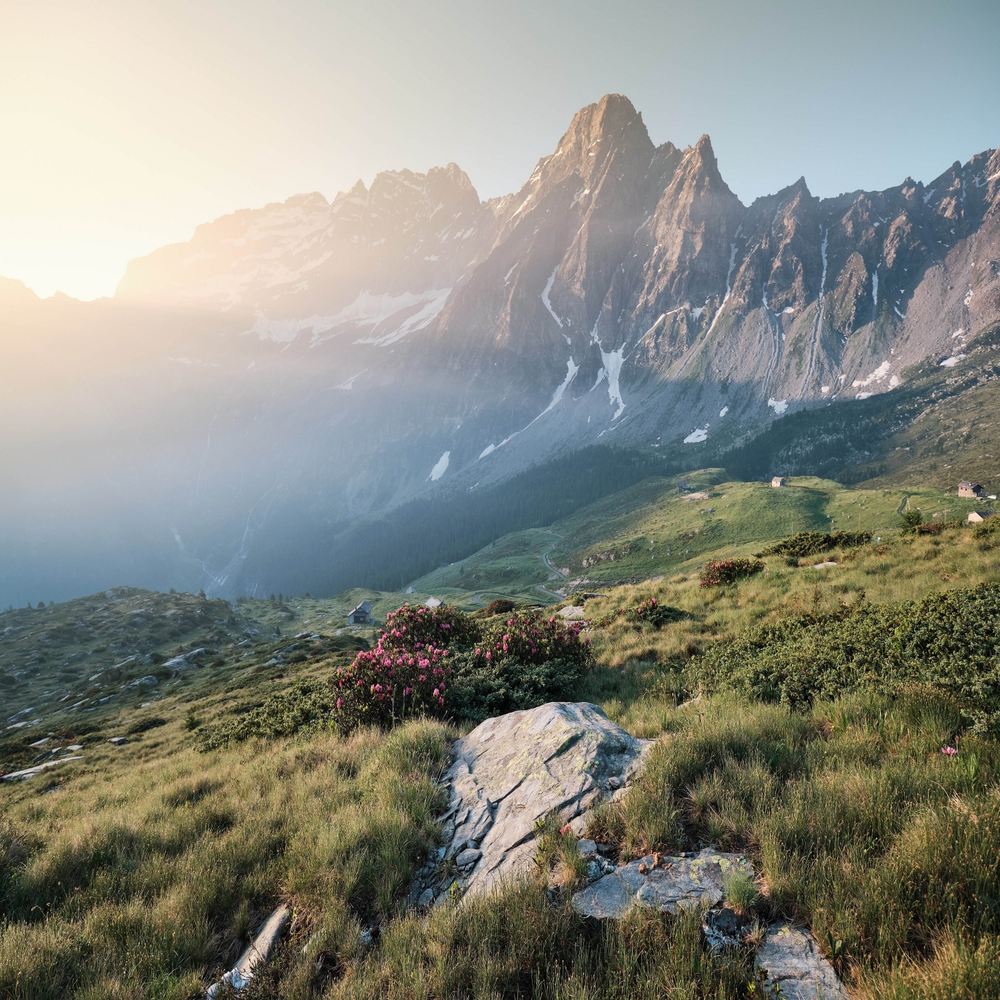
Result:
[[480, 690], [988, 533], [950, 641], [912, 520], [519, 662], [653, 613], [811, 543], [307, 705], [933, 527], [720, 572]]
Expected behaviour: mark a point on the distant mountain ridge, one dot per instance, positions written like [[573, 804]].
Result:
[[342, 357]]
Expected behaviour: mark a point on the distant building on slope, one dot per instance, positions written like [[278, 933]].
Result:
[[967, 489], [778, 481], [361, 615], [978, 516]]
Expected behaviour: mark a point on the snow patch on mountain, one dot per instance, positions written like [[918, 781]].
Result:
[[698, 435], [571, 370], [439, 467], [613, 366], [391, 318], [878, 375], [383, 311], [545, 296], [778, 405]]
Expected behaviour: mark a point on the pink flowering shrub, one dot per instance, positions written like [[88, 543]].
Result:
[[407, 672], [719, 573], [531, 637], [442, 663]]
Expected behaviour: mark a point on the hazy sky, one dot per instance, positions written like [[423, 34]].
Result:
[[125, 124]]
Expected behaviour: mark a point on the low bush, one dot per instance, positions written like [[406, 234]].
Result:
[[932, 527], [811, 543], [480, 690], [987, 534], [499, 606], [306, 705], [529, 637], [720, 572], [653, 613], [520, 662], [950, 641]]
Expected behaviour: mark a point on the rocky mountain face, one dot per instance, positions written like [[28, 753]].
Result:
[[308, 363]]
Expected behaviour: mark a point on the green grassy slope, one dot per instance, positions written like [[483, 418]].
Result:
[[654, 529]]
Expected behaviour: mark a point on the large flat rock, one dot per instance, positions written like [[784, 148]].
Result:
[[793, 961], [682, 882], [514, 770]]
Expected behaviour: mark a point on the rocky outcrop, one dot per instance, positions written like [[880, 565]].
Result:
[[511, 773]]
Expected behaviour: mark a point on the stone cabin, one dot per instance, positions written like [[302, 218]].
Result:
[[778, 481], [978, 516], [967, 489], [361, 615]]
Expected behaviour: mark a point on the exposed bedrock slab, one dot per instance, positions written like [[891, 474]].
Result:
[[682, 882], [793, 961], [514, 770]]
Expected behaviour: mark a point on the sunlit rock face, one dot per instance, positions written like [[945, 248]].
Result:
[[512, 773]]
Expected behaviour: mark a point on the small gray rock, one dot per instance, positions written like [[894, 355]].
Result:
[[685, 883], [426, 898], [118, 741], [607, 899], [468, 857], [792, 960], [587, 848]]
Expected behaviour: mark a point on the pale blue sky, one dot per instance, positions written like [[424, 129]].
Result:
[[126, 123]]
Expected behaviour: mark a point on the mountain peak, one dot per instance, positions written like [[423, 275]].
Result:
[[609, 118]]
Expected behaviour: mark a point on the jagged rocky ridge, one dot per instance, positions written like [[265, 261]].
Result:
[[312, 362]]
